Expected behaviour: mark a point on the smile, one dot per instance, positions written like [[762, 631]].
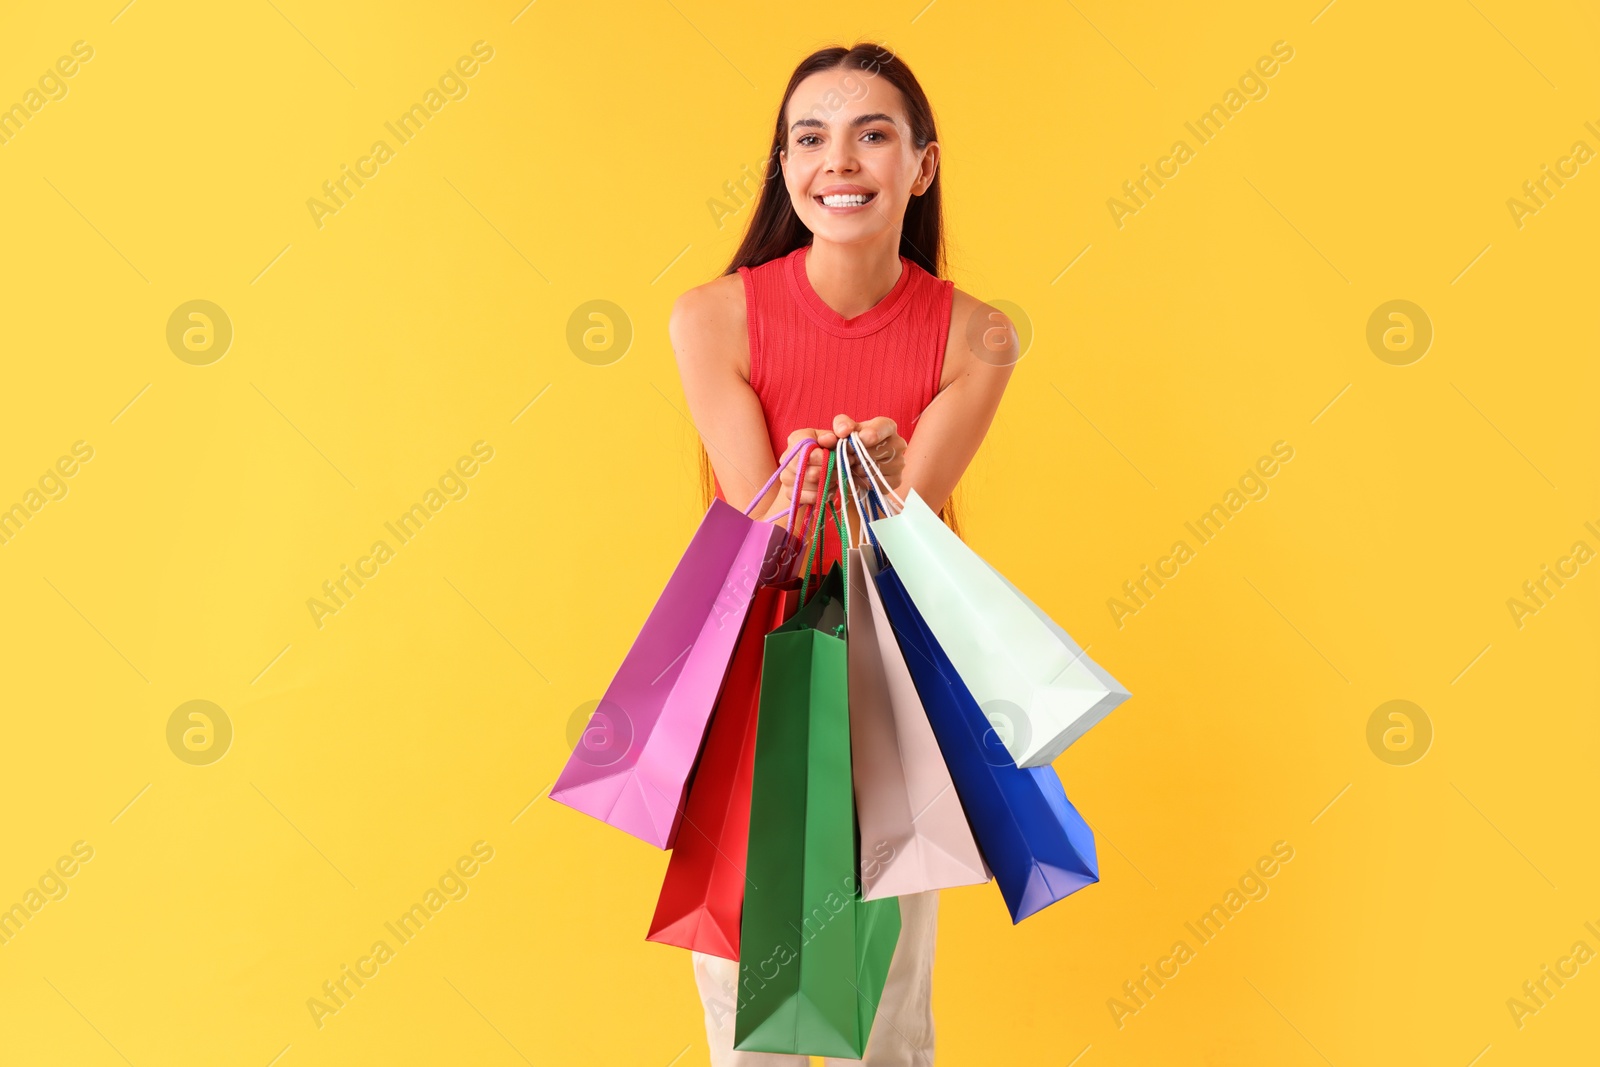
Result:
[[846, 201]]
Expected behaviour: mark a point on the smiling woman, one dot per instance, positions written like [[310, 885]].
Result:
[[813, 329], [833, 319]]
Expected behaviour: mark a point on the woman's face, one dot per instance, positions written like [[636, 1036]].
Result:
[[846, 135]]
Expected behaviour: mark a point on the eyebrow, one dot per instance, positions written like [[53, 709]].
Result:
[[859, 120]]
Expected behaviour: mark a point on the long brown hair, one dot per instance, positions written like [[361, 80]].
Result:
[[775, 230]]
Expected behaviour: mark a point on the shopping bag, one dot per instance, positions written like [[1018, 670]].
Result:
[[813, 956], [914, 835], [703, 891], [633, 763], [1032, 837], [1033, 682]]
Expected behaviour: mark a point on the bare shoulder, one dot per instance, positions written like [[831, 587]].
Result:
[[979, 334], [708, 325]]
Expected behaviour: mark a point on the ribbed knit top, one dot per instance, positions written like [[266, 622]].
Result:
[[808, 363]]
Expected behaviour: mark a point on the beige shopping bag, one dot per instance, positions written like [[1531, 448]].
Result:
[[914, 834]]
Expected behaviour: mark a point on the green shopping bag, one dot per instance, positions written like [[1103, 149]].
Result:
[[813, 956]]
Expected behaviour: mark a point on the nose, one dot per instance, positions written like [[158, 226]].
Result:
[[841, 156]]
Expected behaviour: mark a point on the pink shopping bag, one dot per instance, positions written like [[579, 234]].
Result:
[[632, 766]]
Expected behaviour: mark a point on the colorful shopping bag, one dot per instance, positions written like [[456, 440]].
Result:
[[1034, 840], [703, 891], [632, 766], [1033, 682], [813, 956], [914, 835]]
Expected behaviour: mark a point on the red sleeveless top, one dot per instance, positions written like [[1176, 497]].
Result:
[[808, 363]]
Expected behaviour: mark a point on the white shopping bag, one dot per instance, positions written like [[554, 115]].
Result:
[[1031, 679]]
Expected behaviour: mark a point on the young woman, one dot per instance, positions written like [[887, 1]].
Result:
[[833, 319]]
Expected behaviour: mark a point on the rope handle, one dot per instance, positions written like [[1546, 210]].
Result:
[[878, 508], [804, 447], [819, 508], [824, 504], [877, 485], [874, 472], [799, 482]]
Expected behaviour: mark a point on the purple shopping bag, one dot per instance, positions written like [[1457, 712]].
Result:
[[632, 766]]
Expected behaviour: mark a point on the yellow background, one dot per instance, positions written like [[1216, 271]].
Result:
[[368, 354]]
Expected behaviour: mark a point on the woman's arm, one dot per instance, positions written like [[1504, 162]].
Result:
[[708, 332], [977, 365], [712, 345]]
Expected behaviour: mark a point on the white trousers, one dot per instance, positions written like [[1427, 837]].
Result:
[[902, 1032]]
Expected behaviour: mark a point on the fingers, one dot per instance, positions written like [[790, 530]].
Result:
[[801, 434], [880, 440], [875, 431], [811, 480], [824, 438], [816, 467], [887, 453]]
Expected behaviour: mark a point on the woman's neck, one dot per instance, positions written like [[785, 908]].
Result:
[[853, 278]]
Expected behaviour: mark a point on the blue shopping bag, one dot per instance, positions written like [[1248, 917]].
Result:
[[1034, 840]]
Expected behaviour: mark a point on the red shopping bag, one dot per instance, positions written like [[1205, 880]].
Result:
[[703, 892]]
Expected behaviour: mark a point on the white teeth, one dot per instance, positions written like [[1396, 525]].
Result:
[[845, 199]]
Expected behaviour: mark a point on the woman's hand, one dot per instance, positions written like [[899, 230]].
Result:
[[816, 465], [878, 436], [882, 442]]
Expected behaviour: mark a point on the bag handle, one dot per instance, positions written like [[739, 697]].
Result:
[[799, 480], [846, 542], [872, 498], [824, 504], [872, 466], [794, 497], [880, 509], [803, 446], [819, 509]]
